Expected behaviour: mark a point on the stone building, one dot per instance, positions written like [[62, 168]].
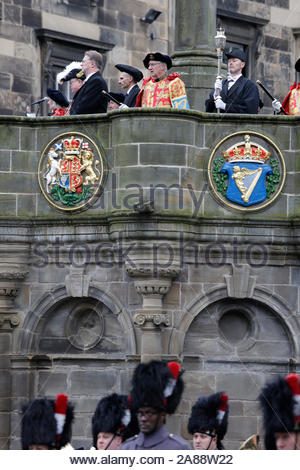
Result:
[[156, 262], [39, 37]]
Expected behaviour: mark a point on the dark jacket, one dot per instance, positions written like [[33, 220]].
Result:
[[89, 98], [130, 99], [242, 98], [159, 440]]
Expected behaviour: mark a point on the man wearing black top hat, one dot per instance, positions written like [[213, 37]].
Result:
[[208, 421], [280, 402], [112, 422], [156, 391], [162, 89], [236, 94], [128, 79]]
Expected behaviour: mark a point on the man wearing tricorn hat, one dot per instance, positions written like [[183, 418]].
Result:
[[46, 424], [280, 402], [161, 89], [128, 79], [236, 94], [291, 103], [156, 391], [112, 422], [208, 422]]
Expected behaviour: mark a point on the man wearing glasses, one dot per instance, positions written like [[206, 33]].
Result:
[[89, 99], [156, 391], [161, 89]]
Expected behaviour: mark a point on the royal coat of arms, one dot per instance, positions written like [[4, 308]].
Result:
[[71, 172], [247, 174]]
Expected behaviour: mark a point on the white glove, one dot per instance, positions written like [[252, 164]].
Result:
[[123, 106], [218, 84], [276, 106], [219, 103]]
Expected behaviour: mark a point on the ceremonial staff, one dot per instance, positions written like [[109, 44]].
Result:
[[108, 96], [269, 94], [220, 39]]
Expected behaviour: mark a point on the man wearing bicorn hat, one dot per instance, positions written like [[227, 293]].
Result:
[[112, 422], [89, 99], [47, 424], [291, 103], [280, 402], [161, 89], [235, 94], [128, 79], [208, 421], [156, 391], [74, 75]]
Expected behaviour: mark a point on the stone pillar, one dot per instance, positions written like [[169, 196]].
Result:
[[151, 318], [10, 281], [195, 57]]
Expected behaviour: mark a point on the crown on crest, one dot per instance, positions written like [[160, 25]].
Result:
[[72, 146], [247, 151]]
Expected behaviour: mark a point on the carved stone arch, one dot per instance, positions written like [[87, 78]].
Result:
[[42, 309], [268, 299]]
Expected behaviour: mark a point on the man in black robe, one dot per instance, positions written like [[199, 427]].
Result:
[[236, 94]]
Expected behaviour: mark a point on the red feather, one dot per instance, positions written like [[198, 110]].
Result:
[[61, 403], [293, 382], [223, 402], [174, 369]]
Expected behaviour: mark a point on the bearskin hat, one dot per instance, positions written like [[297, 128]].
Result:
[[210, 414], [113, 415], [280, 402], [158, 385], [47, 422]]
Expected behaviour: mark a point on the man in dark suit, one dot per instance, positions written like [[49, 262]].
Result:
[[89, 98], [236, 94], [128, 79]]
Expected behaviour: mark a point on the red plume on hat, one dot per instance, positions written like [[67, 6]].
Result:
[[293, 382], [222, 407], [174, 368], [60, 410]]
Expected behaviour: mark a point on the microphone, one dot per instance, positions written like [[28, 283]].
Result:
[[40, 101]]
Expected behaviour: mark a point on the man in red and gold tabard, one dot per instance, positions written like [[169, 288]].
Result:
[[161, 89], [291, 103]]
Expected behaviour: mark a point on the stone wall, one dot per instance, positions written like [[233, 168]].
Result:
[[163, 267]]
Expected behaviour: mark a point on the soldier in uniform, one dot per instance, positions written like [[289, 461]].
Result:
[[156, 391], [236, 94], [112, 422], [161, 89], [128, 79], [208, 421], [47, 424], [280, 402]]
